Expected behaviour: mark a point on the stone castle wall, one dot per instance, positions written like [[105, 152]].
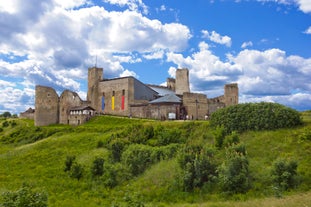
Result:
[[67, 100], [195, 105], [46, 106]]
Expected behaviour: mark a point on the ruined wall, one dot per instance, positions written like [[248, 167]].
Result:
[[46, 106], [195, 105], [215, 104], [231, 94], [67, 100], [95, 75], [171, 84], [182, 81]]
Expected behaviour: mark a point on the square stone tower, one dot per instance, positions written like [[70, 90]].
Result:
[[95, 75], [182, 81]]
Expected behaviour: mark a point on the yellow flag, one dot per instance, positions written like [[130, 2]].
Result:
[[112, 103]]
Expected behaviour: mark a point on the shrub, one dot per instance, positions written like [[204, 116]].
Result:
[[219, 137], [255, 116], [25, 196], [284, 174], [234, 173], [197, 166], [76, 171], [5, 124], [117, 146], [137, 158], [97, 167], [69, 161]]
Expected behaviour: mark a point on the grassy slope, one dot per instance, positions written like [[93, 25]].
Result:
[[41, 165]]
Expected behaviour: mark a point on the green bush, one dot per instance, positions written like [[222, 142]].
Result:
[[255, 116], [76, 171], [97, 167], [198, 167], [117, 147], [284, 174], [137, 158], [69, 161], [25, 196], [234, 172]]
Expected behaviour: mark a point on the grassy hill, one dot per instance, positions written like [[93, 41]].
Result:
[[37, 155]]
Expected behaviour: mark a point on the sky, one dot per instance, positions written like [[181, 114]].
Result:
[[263, 45]]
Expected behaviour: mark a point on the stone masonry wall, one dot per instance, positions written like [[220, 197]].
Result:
[[46, 105], [195, 105]]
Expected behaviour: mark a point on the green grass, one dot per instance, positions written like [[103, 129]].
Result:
[[40, 163]]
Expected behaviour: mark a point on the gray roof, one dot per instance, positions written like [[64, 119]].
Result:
[[162, 91], [169, 98], [80, 108]]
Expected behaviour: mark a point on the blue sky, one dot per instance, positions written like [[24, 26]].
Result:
[[263, 45]]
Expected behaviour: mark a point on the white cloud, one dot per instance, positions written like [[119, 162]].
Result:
[[308, 31], [268, 75], [215, 37], [127, 73], [134, 5], [154, 55], [304, 5], [247, 44]]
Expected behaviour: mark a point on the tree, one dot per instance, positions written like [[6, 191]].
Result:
[[6, 114]]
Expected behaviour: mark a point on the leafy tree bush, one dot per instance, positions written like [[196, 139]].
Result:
[[219, 137], [255, 116], [5, 124], [25, 196], [98, 167], [198, 167], [137, 158], [76, 171], [165, 136], [117, 146], [69, 161], [234, 173], [284, 174]]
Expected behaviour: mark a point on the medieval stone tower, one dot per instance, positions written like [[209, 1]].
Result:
[[231, 95], [47, 106], [95, 75], [182, 81]]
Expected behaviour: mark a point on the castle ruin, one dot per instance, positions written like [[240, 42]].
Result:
[[127, 96]]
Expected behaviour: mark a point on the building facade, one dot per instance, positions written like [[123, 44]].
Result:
[[128, 96]]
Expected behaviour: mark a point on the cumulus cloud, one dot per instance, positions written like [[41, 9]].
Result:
[[134, 5], [217, 38], [308, 31], [268, 75], [303, 5], [58, 40], [247, 44]]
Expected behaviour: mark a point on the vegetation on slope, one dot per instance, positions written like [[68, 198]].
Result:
[[255, 116], [113, 161]]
